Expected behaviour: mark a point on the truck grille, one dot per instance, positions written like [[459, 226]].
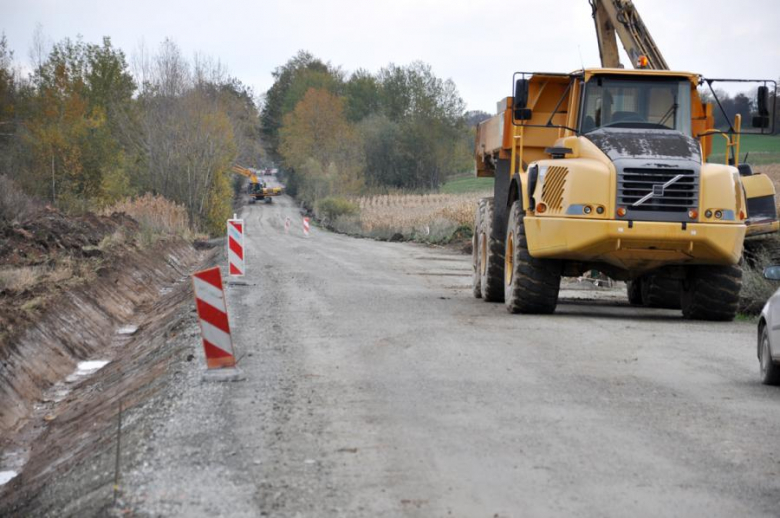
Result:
[[667, 204]]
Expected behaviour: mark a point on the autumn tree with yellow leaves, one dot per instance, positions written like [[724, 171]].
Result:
[[319, 143]]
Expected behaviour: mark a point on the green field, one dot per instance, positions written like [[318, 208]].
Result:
[[762, 149], [466, 184]]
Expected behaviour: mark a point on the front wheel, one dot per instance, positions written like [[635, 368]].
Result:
[[711, 292], [531, 285], [770, 371]]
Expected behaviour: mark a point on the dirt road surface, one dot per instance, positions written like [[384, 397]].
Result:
[[377, 386]]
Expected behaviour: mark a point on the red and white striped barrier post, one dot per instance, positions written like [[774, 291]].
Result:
[[306, 227], [214, 326], [235, 234], [287, 225]]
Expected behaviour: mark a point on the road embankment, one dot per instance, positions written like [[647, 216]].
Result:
[[106, 342]]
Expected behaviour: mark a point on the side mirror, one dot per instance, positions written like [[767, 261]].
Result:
[[520, 101], [772, 273], [761, 120]]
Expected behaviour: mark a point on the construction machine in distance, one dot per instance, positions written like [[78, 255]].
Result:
[[257, 189], [606, 169]]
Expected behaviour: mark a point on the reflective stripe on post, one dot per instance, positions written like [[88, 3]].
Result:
[[213, 318], [236, 260]]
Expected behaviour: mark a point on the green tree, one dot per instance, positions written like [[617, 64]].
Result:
[[362, 95], [291, 82]]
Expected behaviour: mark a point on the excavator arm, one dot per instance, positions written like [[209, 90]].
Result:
[[620, 19], [243, 171]]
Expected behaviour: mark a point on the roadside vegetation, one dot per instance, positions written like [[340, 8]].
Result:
[[84, 130], [426, 218]]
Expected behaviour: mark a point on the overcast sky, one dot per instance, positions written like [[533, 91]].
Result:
[[478, 44]]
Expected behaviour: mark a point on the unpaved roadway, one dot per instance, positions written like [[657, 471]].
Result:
[[377, 386]]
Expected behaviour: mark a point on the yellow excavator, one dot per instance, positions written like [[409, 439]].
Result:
[[257, 189], [607, 169]]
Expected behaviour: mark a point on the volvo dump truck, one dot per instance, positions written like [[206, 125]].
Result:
[[620, 20], [606, 169]]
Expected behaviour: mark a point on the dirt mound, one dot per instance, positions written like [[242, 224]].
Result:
[[50, 233], [48, 253]]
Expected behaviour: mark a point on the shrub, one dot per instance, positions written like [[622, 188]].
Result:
[[155, 214], [332, 208], [756, 290], [14, 204]]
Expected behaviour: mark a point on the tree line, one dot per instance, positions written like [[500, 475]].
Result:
[[742, 103], [83, 131], [338, 133]]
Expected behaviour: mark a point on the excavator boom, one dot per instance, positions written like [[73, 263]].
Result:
[[620, 19]]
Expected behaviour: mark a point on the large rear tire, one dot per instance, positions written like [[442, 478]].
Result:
[[634, 292], [661, 291], [711, 293], [531, 285], [476, 251], [492, 257]]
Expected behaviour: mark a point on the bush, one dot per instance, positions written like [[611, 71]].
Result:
[[14, 204], [155, 214], [756, 290], [332, 208]]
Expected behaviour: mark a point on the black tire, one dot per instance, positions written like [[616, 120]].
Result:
[[634, 292], [711, 292], [492, 257], [769, 370], [531, 285], [476, 252], [660, 291]]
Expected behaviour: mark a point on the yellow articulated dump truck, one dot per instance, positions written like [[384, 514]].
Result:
[[606, 169]]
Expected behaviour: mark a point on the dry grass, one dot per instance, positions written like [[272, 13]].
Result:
[[410, 210], [22, 278], [19, 279], [154, 213], [423, 217]]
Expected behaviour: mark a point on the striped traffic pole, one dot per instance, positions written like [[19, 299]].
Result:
[[287, 225], [306, 227], [236, 260], [214, 326]]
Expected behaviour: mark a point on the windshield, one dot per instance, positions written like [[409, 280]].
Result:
[[636, 103]]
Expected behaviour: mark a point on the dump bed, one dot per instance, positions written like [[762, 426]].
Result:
[[549, 101]]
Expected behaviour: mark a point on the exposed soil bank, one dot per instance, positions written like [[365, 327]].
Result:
[[58, 415]]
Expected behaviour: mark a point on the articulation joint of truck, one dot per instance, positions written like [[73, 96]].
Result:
[[606, 169]]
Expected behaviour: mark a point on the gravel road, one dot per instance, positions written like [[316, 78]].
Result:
[[377, 386]]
